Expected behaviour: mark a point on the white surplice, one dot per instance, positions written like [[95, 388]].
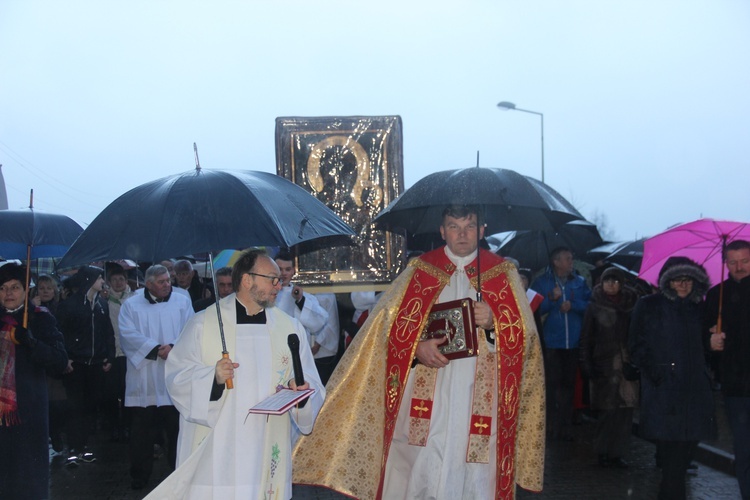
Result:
[[228, 463], [143, 326], [439, 469]]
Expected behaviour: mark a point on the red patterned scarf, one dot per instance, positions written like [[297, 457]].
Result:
[[8, 403]]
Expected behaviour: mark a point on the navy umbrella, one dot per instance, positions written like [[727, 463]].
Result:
[[201, 211], [510, 201], [31, 234]]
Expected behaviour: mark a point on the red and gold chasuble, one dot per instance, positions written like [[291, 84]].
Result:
[[432, 274]]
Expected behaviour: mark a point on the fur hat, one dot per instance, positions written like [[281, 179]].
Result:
[[87, 276], [676, 267], [12, 271], [613, 273]]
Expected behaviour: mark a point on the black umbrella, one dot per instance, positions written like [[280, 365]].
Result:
[[626, 254], [201, 211], [510, 201], [532, 248]]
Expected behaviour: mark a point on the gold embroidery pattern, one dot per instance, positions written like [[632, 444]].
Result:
[[420, 289], [505, 467], [509, 398], [420, 408], [504, 290], [443, 276], [481, 425], [478, 450], [409, 318], [423, 390], [394, 388], [511, 327]]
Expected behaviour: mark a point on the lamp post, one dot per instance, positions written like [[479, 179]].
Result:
[[505, 106]]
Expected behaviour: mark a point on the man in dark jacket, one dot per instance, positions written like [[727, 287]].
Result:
[[26, 354], [732, 344], [90, 342], [665, 341]]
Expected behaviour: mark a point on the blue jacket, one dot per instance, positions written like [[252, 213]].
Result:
[[562, 330]]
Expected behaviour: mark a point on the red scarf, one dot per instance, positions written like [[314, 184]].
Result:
[[8, 403]]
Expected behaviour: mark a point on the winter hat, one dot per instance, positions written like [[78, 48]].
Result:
[[613, 273], [12, 271], [87, 276]]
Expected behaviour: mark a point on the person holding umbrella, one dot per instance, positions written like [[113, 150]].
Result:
[[665, 343], [27, 351], [732, 345], [402, 421], [223, 450]]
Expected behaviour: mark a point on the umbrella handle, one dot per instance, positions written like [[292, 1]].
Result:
[[25, 322], [229, 382]]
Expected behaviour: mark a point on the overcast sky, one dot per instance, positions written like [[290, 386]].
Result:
[[646, 104]]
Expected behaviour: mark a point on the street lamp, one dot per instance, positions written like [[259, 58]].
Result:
[[505, 106]]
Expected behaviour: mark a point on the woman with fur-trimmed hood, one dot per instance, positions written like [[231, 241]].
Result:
[[665, 343]]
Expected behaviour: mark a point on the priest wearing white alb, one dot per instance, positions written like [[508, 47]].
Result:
[[224, 452]]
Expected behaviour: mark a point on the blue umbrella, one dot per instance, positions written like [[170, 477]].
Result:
[[31, 234]]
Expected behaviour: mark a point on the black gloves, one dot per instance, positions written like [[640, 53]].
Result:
[[23, 337]]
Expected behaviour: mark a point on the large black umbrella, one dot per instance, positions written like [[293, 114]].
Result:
[[532, 248], [510, 201], [201, 211]]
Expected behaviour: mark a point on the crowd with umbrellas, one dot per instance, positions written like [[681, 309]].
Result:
[[217, 213], [204, 211]]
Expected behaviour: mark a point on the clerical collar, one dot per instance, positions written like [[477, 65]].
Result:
[[243, 318], [153, 300], [460, 262]]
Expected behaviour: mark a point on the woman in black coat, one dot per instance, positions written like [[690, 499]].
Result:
[[25, 356], [603, 352], [665, 342]]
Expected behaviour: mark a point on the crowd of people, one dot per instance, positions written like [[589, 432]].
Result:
[[157, 362]]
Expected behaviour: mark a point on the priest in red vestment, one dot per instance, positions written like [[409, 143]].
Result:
[[402, 421]]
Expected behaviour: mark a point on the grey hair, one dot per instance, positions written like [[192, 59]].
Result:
[[154, 271]]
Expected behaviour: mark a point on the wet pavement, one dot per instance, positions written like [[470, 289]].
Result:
[[571, 472]]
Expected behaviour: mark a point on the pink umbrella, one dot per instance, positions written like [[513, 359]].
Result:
[[701, 240]]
